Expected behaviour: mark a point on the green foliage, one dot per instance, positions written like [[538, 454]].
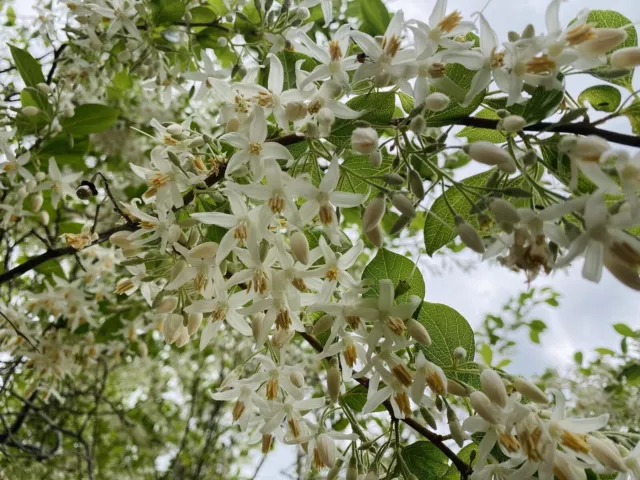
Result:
[[354, 169], [28, 67], [625, 330], [541, 104], [397, 268], [356, 397], [559, 165], [604, 98], [377, 108], [424, 460], [448, 330], [612, 19], [167, 11], [632, 112], [90, 118], [375, 17], [465, 455]]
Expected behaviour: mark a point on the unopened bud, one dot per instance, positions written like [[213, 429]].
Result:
[[312, 130], [352, 469], [625, 57], [326, 449], [143, 350], [513, 123], [204, 250], [606, 453], [373, 213], [493, 387], [183, 337], [167, 305], [400, 224], [376, 236], [375, 158], [393, 179], [258, 329], [323, 324], [177, 269], [282, 337], [469, 236], [455, 388], [436, 102], [30, 111], [302, 13], [513, 36], [603, 41], [428, 417], [418, 332], [333, 472], [193, 322], [364, 140], [174, 129], [530, 390], [489, 154], [504, 211], [36, 202], [326, 117], [529, 31], [172, 328], [404, 205], [529, 158], [232, 125], [297, 378], [44, 217], [194, 237], [381, 79], [300, 247], [196, 142], [483, 407], [502, 113], [44, 88], [333, 382], [415, 184], [295, 111], [459, 353], [418, 125]]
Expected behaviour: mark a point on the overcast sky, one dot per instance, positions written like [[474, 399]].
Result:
[[587, 311]]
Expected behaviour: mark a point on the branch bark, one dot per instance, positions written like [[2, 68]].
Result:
[[435, 438]]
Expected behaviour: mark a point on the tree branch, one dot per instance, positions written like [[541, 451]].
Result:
[[435, 438]]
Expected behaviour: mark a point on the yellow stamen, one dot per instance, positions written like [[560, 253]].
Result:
[[580, 34], [540, 65], [450, 22]]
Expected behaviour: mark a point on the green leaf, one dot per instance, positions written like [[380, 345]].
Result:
[[542, 104], [375, 17], [578, 357], [632, 374], [11, 16], [167, 11], [425, 460], [625, 330], [612, 19], [603, 98], [632, 112], [202, 15], [486, 354], [378, 108], [353, 169], [465, 455], [605, 351], [90, 118], [65, 153], [50, 268], [28, 67], [473, 134], [289, 60], [448, 330], [356, 397], [395, 267]]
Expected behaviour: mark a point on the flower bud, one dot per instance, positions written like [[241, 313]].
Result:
[[194, 238], [326, 117], [222, 42], [303, 13], [415, 184], [436, 102], [44, 218], [492, 155], [323, 324], [352, 469], [483, 407], [428, 417], [193, 322], [30, 111], [167, 305], [44, 88], [300, 247], [513, 36], [183, 337], [591, 146], [455, 388], [604, 40], [504, 211], [376, 236], [513, 123], [375, 158], [204, 250], [333, 472], [312, 130], [494, 387], [625, 57], [37, 201], [282, 337], [418, 332], [435, 378], [174, 233], [373, 213], [364, 140], [174, 129], [257, 329], [404, 205], [297, 378], [393, 179], [530, 390], [399, 225], [333, 382], [606, 454], [196, 142], [459, 353], [381, 79], [326, 449], [294, 111], [172, 328], [371, 475], [469, 236], [143, 350], [456, 432], [418, 125]]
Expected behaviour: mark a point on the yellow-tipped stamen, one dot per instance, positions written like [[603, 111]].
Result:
[[451, 21]]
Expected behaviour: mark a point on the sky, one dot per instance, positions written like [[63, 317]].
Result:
[[586, 312]]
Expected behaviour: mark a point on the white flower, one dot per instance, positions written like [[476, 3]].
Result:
[[335, 268], [121, 16], [201, 270], [442, 29], [322, 199], [292, 410], [334, 62], [245, 397], [15, 166], [209, 71], [393, 389], [325, 5], [253, 147], [364, 140], [387, 61], [632, 461], [163, 227], [61, 185], [257, 274]]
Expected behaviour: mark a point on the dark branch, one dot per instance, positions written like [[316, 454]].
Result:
[[54, 65]]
